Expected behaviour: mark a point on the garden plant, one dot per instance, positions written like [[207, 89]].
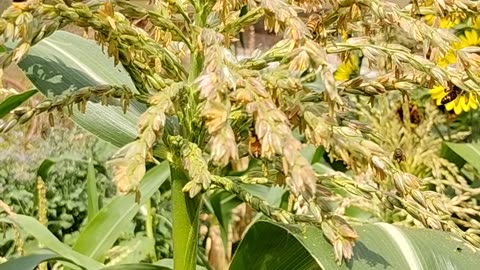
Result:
[[363, 164]]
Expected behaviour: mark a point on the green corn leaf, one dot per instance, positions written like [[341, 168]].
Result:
[[270, 245], [34, 228], [14, 101], [110, 222], [32, 260], [66, 62]]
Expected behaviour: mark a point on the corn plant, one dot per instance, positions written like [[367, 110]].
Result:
[[191, 102]]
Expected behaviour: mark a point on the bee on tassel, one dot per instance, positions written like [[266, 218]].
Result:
[[254, 145]]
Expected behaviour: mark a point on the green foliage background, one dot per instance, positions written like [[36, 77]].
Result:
[[70, 148]]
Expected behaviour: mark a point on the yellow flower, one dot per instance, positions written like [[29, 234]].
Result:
[[467, 39], [450, 58], [350, 68], [455, 99], [449, 21]]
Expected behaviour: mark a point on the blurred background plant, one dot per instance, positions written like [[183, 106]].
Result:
[[268, 135]]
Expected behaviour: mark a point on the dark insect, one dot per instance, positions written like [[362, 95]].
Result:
[[452, 95], [415, 114], [254, 145], [398, 155], [314, 24]]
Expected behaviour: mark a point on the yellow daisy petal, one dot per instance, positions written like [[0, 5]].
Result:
[[464, 103], [458, 107], [341, 74], [468, 38], [437, 89], [442, 63], [473, 101], [474, 38], [439, 96], [444, 23], [429, 19], [449, 106], [471, 38], [450, 57]]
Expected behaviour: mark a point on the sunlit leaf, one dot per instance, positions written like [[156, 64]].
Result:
[[269, 245], [104, 229], [34, 228], [136, 266], [66, 62], [470, 152], [32, 260]]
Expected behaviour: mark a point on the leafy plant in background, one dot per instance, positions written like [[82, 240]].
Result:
[[196, 113]]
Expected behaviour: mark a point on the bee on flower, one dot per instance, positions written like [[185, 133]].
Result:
[[454, 99]]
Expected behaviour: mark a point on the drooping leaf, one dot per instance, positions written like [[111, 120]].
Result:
[[470, 152], [32, 260], [34, 228], [45, 168], [110, 222], [136, 266], [14, 101], [269, 245], [66, 62], [92, 191]]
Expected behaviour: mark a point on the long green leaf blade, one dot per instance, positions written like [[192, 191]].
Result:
[[104, 229], [269, 245], [92, 191], [47, 239], [137, 266], [32, 260], [66, 62], [14, 101], [470, 152]]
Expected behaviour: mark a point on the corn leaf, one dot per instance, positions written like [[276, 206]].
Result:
[[14, 101], [470, 152], [34, 228], [32, 260], [136, 266], [67, 62], [269, 245], [110, 222]]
